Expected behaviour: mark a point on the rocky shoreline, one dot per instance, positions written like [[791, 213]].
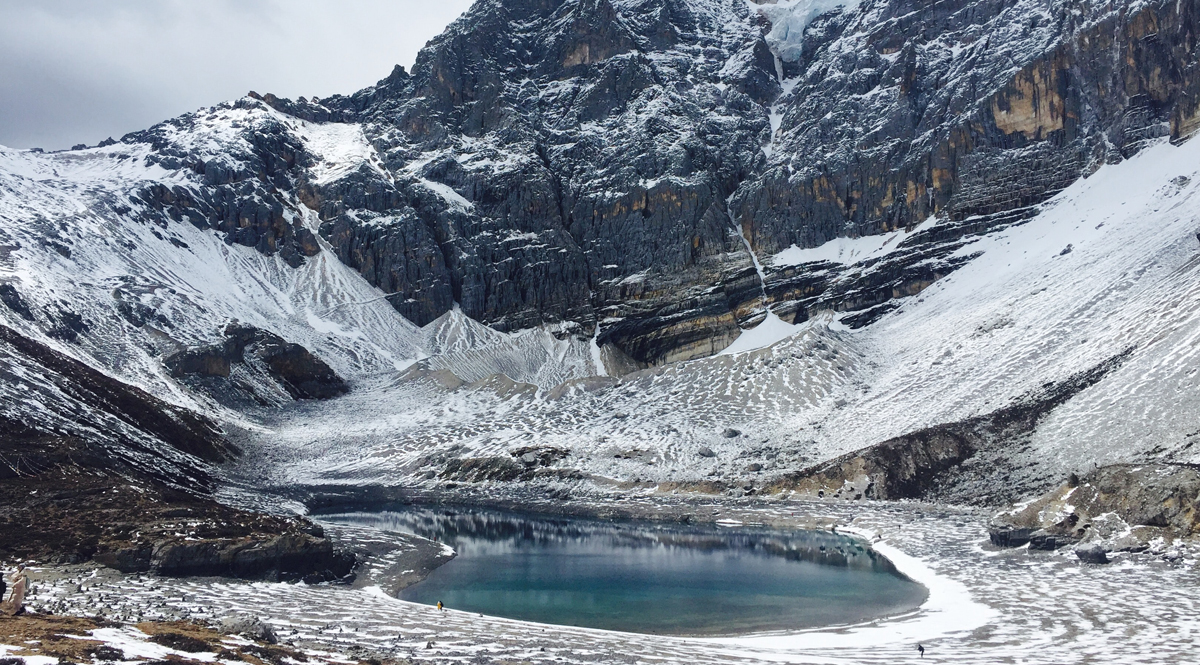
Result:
[[1119, 508], [1102, 609], [138, 527]]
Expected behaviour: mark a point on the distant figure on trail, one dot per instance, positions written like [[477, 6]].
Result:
[[440, 608], [921, 650], [16, 602]]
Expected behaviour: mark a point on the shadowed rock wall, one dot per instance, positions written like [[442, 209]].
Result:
[[600, 163]]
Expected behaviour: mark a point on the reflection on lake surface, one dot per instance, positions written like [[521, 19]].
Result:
[[648, 578]]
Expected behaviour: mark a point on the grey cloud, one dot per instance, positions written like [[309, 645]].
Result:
[[78, 71]]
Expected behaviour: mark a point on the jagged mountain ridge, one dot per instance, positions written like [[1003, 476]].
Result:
[[580, 169], [564, 221]]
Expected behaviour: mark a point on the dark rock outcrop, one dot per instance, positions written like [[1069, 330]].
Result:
[[480, 469], [70, 503], [1118, 507], [258, 547], [523, 464], [68, 325], [961, 462], [289, 556], [265, 357], [13, 300], [534, 456]]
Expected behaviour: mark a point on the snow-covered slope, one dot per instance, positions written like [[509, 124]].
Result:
[[73, 248], [82, 249], [1110, 266]]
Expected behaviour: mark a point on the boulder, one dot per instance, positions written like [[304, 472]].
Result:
[[247, 626], [705, 451], [281, 370], [1122, 507], [1091, 553]]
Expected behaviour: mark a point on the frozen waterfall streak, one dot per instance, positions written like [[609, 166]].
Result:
[[597, 356], [741, 233], [775, 111]]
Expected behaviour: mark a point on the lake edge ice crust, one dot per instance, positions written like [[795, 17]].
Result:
[[620, 573]]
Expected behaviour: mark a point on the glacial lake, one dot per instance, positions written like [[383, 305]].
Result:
[[646, 577]]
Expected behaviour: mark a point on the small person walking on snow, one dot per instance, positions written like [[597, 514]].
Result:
[[440, 607], [921, 650]]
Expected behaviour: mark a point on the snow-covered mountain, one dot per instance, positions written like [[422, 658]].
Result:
[[697, 243], [1084, 313]]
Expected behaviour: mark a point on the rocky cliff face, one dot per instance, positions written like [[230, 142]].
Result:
[[257, 367], [970, 111], [570, 161], [611, 164]]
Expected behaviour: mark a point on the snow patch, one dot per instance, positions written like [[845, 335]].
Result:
[[340, 148], [845, 251], [456, 200], [137, 645], [773, 329]]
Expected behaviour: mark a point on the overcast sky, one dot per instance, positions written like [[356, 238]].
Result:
[[78, 71]]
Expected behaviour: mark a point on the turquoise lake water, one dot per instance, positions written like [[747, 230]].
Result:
[[647, 578]]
